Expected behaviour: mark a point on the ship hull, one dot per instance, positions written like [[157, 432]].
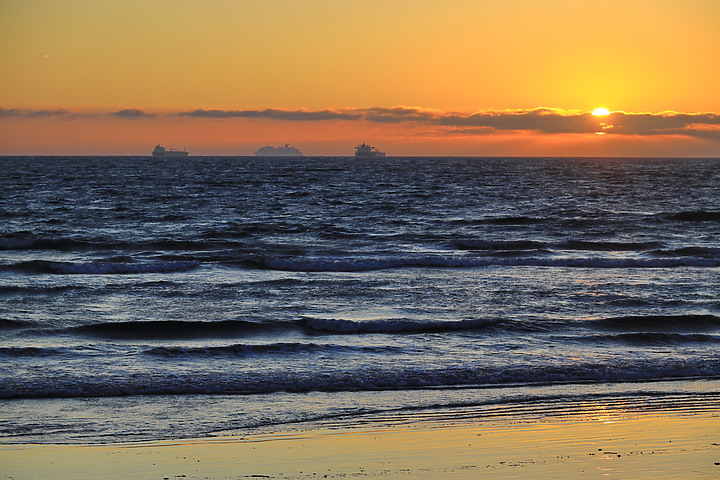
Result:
[[278, 154], [166, 155]]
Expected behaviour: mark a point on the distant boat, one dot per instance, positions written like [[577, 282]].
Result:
[[366, 151], [284, 151], [161, 152]]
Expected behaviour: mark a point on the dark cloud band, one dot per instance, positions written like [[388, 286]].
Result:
[[272, 113], [133, 113], [539, 120], [18, 112]]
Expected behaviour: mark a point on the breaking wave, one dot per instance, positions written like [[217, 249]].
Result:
[[316, 325], [340, 379]]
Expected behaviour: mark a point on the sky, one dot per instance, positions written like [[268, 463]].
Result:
[[413, 77]]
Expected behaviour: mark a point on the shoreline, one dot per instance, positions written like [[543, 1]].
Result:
[[599, 442]]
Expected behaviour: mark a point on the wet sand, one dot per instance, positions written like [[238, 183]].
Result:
[[598, 444]]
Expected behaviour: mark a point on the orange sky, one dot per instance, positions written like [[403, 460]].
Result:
[[415, 77]]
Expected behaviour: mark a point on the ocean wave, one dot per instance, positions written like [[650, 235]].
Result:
[[656, 323], [653, 338], [31, 242], [100, 267], [393, 325], [287, 348], [38, 289], [67, 351], [181, 245], [473, 244], [7, 324], [12, 214], [691, 251], [28, 351], [510, 220], [315, 325], [607, 246], [167, 329], [341, 379], [581, 245], [32, 351], [309, 264], [696, 216], [243, 230]]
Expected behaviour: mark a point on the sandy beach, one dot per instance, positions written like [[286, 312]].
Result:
[[599, 443]]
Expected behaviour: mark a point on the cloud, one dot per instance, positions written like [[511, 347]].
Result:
[[544, 120], [666, 123], [474, 131], [19, 112], [133, 113], [9, 112], [554, 121], [397, 114], [273, 113], [537, 120]]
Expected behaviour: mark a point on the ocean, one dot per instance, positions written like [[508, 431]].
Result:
[[146, 299]]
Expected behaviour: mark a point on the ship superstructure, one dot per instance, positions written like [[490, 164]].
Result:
[[285, 151]]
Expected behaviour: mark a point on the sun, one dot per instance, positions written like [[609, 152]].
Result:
[[599, 112]]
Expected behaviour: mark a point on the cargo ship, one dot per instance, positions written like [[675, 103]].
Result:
[[161, 152], [366, 151]]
